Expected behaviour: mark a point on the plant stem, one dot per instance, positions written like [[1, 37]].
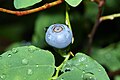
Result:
[[21, 13], [92, 33], [110, 17], [61, 65], [67, 20]]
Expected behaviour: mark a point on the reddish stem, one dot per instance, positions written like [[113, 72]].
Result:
[[97, 22], [21, 13]]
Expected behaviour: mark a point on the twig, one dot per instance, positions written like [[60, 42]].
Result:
[[109, 17], [61, 65], [97, 22], [21, 13], [67, 20]]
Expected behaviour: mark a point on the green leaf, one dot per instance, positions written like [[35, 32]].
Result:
[[82, 67], [91, 11], [73, 3], [108, 56], [44, 20], [117, 78], [26, 3], [75, 74], [26, 63]]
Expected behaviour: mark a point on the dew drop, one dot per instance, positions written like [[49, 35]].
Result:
[[3, 76], [37, 65], [14, 50], [86, 65], [67, 69], [89, 76], [30, 71], [9, 55], [25, 61], [83, 72], [61, 79], [30, 50], [81, 59], [99, 70]]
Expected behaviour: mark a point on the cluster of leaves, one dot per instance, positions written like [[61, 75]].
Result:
[[40, 64], [29, 62]]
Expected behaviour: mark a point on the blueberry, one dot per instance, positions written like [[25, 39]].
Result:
[[58, 36]]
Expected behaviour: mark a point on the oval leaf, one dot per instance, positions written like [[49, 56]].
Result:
[[108, 56], [82, 67], [73, 3], [26, 3], [26, 63]]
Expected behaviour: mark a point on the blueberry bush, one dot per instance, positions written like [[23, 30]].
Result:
[[59, 40]]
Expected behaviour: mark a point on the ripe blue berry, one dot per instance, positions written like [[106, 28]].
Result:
[[58, 36]]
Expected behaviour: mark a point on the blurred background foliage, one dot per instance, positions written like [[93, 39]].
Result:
[[30, 29]]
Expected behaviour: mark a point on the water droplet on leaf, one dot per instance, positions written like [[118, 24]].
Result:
[[30, 71], [14, 50], [89, 76], [32, 49], [62, 79], [81, 59], [37, 65], [9, 55], [83, 72], [67, 69], [2, 76], [24, 61], [86, 65], [99, 70]]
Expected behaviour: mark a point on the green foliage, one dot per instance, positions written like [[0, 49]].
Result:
[[29, 62], [26, 3], [82, 67], [108, 56], [90, 11], [117, 78], [73, 3], [26, 63]]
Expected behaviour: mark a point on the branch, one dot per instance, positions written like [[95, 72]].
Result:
[[21, 13], [61, 65], [97, 22], [109, 17]]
